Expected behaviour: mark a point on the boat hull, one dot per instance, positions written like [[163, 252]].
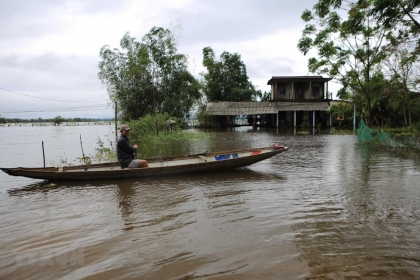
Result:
[[211, 162]]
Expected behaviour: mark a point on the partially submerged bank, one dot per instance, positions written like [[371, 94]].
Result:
[[402, 140]]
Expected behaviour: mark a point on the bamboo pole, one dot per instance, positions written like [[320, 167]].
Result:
[[116, 132], [81, 145], [43, 153]]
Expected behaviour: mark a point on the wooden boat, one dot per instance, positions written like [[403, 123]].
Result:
[[206, 162]]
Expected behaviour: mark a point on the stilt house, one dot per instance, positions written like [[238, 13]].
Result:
[[294, 100]]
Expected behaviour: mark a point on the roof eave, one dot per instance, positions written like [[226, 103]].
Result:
[[298, 78]]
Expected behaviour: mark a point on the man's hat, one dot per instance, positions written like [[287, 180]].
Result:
[[125, 127]]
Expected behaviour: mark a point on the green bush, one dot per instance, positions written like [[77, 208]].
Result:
[[58, 120], [305, 123], [154, 127], [340, 109], [156, 138]]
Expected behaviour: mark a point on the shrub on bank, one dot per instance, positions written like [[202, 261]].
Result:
[[160, 135]]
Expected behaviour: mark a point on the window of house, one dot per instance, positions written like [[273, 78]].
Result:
[[281, 89], [315, 89]]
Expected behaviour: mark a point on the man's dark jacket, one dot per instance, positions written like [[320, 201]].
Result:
[[125, 152]]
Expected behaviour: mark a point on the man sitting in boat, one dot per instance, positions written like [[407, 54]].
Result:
[[126, 152]]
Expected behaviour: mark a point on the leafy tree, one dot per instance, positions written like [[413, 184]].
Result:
[[400, 16], [150, 126], [403, 69], [201, 107], [57, 120], [266, 96], [2, 120], [226, 79], [350, 50], [341, 109], [148, 77]]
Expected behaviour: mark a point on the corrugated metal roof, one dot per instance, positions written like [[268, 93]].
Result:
[[256, 108]]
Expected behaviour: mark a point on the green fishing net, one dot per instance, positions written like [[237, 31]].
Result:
[[366, 134], [407, 141]]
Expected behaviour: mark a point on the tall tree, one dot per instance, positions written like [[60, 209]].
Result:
[[401, 16], [226, 79], [350, 49], [403, 69], [148, 77]]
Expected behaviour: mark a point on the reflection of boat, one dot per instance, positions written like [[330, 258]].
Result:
[[207, 162]]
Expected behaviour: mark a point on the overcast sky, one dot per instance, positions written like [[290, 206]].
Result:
[[49, 49]]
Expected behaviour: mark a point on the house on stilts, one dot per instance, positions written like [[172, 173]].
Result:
[[294, 99]]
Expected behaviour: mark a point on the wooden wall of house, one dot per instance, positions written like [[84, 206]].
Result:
[[298, 91]]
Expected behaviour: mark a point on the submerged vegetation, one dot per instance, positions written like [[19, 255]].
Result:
[[103, 153], [405, 140], [161, 135]]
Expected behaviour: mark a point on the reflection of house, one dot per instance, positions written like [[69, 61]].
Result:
[[294, 99]]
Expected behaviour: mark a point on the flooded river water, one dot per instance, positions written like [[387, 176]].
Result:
[[328, 208]]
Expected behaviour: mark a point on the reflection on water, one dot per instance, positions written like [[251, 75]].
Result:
[[326, 209]]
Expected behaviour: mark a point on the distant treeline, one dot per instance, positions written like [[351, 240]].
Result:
[[41, 120]]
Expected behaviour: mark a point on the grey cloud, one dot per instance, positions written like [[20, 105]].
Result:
[[49, 72], [225, 21], [27, 19], [31, 19], [266, 71], [42, 8]]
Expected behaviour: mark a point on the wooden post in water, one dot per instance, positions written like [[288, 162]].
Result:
[[116, 133], [81, 145], [43, 153]]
